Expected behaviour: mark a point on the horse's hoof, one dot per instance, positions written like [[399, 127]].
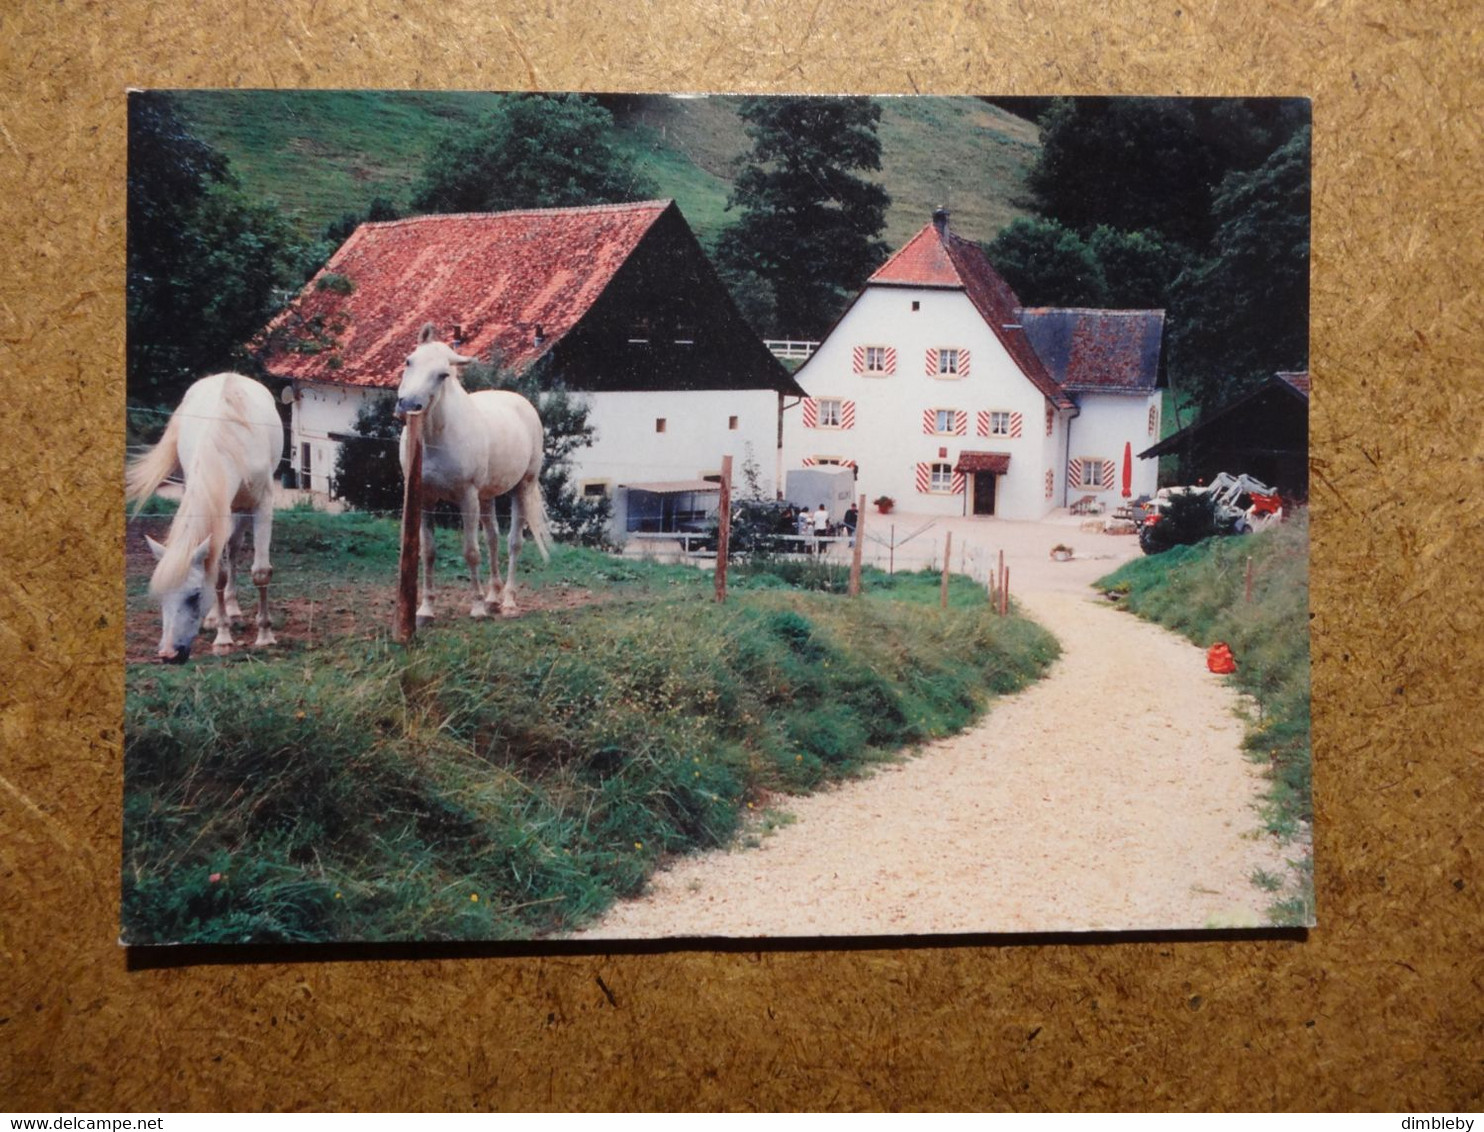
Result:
[[219, 649], [264, 640], [509, 611], [479, 612]]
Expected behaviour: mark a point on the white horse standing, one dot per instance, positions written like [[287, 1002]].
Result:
[[226, 438], [477, 447]]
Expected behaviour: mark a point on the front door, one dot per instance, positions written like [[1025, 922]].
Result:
[[984, 493]]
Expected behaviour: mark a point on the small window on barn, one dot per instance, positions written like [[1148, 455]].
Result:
[[659, 424], [731, 424], [595, 489], [916, 305]]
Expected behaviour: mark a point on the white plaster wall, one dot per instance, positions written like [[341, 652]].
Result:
[[319, 411], [630, 448], [888, 441], [1107, 422]]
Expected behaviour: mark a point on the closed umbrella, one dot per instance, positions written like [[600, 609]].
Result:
[[1128, 469]]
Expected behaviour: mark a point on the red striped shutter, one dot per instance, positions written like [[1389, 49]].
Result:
[[1074, 473], [811, 413], [891, 359], [847, 414], [960, 423], [982, 423], [932, 363], [1017, 422], [924, 478], [858, 359], [1153, 419], [929, 421], [963, 363], [957, 486], [1107, 475], [1050, 418], [809, 461], [1050, 483]]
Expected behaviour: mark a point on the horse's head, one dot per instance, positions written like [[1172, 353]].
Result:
[[429, 365], [182, 606]]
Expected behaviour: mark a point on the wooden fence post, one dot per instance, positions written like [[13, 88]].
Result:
[[947, 562], [1005, 595], [724, 528], [412, 523], [857, 536], [1000, 584], [891, 556]]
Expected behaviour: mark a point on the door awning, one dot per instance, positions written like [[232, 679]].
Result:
[[674, 487], [996, 462]]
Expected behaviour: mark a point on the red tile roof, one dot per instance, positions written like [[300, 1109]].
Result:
[[935, 258], [497, 276], [1097, 351]]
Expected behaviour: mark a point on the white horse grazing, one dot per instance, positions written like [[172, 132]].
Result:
[[476, 448], [226, 438]]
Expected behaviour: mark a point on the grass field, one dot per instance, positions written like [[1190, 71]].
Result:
[[1200, 592], [509, 779], [321, 154]]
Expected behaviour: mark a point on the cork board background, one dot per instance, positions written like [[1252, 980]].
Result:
[[1381, 1006]]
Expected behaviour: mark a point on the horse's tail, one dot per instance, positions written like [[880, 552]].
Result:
[[149, 470], [533, 510]]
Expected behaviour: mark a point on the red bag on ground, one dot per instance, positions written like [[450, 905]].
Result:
[[1219, 659]]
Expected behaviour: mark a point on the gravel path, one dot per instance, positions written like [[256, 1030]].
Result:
[[1111, 795]]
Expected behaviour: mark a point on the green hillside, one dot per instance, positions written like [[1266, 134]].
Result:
[[320, 154]]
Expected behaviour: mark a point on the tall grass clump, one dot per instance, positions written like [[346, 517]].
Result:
[[511, 779], [1199, 591]]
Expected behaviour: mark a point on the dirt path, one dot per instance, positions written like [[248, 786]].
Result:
[[1112, 795]]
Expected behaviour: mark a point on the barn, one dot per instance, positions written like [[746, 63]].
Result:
[[618, 303], [947, 394], [1264, 434]]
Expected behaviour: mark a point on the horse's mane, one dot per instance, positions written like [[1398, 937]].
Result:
[[217, 469]]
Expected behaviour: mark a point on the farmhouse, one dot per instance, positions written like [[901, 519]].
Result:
[[616, 302], [949, 396], [1264, 434]]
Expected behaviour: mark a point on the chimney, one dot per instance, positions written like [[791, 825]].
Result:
[[940, 222]]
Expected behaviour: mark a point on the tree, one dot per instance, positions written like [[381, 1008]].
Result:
[[205, 268], [1244, 309], [534, 151], [1047, 264], [368, 470], [810, 224]]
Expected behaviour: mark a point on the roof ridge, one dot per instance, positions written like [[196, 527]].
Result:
[[569, 210], [1095, 310]]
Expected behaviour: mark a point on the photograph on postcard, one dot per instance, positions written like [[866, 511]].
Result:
[[574, 517]]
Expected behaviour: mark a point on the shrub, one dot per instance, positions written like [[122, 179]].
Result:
[[368, 474]]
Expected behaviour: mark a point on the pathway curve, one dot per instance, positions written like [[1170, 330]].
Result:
[[1111, 795]]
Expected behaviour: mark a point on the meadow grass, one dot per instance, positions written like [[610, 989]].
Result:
[[1200, 592], [510, 779]]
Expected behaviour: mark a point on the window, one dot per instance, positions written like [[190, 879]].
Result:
[[1096, 473], [942, 477], [947, 363], [945, 422], [916, 305], [731, 424], [659, 424], [875, 359], [595, 489], [999, 424], [829, 412], [304, 461]]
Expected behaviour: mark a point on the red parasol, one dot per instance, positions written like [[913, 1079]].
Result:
[[1128, 469]]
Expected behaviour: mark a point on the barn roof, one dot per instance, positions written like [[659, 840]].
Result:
[[512, 283], [1097, 351]]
